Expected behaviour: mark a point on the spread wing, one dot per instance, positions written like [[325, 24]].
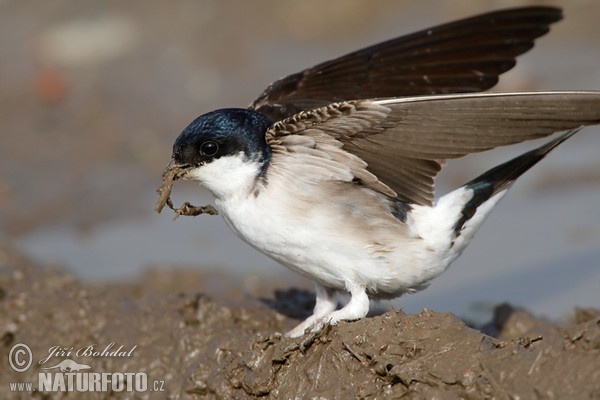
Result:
[[459, 57], [397, 146]]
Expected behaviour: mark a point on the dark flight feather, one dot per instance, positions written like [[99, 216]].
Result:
[[459, 57], [405, 141]]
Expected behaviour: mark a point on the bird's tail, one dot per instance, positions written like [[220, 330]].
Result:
[[497, 180], [458, 214]]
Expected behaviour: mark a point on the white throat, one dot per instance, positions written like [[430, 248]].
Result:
[[227, 176]]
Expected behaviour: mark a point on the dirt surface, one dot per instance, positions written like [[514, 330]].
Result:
[[200, 346]]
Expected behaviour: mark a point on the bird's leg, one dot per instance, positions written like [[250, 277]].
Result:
[[357, 307], [326, 303], [324, 311]]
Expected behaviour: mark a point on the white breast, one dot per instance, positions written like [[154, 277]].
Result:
[[333, 236], [332, 231]]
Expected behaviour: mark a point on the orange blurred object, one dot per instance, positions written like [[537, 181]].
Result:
[[50, 84]]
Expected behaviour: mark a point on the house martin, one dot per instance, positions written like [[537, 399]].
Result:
[[330, 171]]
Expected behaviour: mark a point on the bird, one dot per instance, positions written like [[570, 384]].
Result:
[[330, 171]]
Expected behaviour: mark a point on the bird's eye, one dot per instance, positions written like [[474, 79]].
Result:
[[209, 148]]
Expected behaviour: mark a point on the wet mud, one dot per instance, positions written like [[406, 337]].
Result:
[[199, 345]]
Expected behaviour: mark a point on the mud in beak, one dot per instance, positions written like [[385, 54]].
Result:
[[175, 169], [173, 172]]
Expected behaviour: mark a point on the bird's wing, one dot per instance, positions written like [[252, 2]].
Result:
[[397, 146], [459, 57]]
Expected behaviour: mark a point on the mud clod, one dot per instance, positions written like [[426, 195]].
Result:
[[171, 174]]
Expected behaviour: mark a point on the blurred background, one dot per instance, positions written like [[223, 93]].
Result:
[[93, 94]]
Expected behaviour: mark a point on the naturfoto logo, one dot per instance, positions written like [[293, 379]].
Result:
[[63, 374]]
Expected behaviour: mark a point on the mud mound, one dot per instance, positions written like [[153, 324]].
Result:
[[200, 346]]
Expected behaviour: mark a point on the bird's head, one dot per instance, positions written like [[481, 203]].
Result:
[[223, 150]]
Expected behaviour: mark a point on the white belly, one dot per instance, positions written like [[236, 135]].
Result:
[[333, 243]]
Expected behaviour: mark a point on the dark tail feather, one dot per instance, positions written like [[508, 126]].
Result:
[[498, 178]]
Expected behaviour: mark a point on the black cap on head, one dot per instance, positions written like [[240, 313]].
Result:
[[220, 133]]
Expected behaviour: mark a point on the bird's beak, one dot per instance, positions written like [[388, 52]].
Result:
[[171, 165], [176, 169]]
